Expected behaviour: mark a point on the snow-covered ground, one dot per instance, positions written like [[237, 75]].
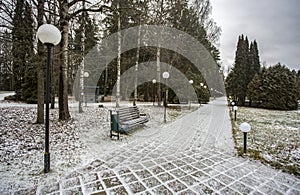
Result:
[[202, 133], [274, 136], [4, 94], [73, 143]]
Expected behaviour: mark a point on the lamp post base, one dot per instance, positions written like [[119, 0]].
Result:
[[46, 162], [245, 142], [235, 115]]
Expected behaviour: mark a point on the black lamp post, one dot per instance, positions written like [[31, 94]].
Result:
[[84, 94], [153, 86], [235, 108], [165, 75], [232, 105], [50, 36], [191, 82]]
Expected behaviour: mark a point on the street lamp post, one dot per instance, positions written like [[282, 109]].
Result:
[[84, 94], [235, 108], [50, 36], [202, 85], [165, 75], [232, 104], [211, 93], [191, 82], [153, 86], [245, 128]]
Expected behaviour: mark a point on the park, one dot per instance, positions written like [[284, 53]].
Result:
[[147, 97]]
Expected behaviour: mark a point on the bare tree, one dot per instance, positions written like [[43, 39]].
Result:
[[65, 15]]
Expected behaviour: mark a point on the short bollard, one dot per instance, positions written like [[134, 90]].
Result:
[[235, 108], [245, 142], [245, 128]]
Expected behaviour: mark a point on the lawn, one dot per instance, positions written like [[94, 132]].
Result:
[[274, 137]]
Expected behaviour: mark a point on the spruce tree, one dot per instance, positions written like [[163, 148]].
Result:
[[29, 87], [274, 88], [298, 84], [22, 52], [253, 63], [246, 66], [17, 51], [6, 75], [237, 81]]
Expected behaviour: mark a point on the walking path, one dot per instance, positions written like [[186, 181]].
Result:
[[193, 155], [4, 94]]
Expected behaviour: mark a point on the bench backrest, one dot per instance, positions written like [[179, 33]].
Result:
[[128, 113]]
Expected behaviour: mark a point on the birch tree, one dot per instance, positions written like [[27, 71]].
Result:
[[65, 15]]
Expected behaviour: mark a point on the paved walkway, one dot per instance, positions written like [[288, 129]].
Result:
[[194, 155], [3, 95]]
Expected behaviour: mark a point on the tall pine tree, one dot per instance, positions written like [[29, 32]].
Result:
[[18, 54], [22, 50], [29, 86], [246, 66], [298, 84], [236, 83]]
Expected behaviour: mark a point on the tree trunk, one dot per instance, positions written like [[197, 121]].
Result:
[[40, 69], [55, 61], [137, 65], [63, 72], [119, 58], [158, 76], [81, 66]]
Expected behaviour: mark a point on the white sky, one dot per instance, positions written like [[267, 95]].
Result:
[[274, 24]]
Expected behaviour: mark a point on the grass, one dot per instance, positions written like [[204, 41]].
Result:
[[274, 138]]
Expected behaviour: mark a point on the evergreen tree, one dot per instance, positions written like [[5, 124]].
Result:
[[298, 84], [22, 50], [256, 88], [246, 66], [274, 88], [236, 84], [29, 86], [253, 62], [91, 37], [6, 75], [18, 53]]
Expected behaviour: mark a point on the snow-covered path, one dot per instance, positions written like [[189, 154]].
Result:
[[207, 127], [3, 95], [192, 155]]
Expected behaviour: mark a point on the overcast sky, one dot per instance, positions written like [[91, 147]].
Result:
[[274, 24]]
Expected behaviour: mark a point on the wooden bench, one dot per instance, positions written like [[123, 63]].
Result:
[[124, 119]]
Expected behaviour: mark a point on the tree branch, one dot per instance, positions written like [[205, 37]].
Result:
[[100, 9]]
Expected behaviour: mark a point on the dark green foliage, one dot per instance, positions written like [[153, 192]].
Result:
[[18, 54], [90, 39], [29, 86], [6, 75], [246, 65], [24, 71], [298, 84], [274, 88]]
